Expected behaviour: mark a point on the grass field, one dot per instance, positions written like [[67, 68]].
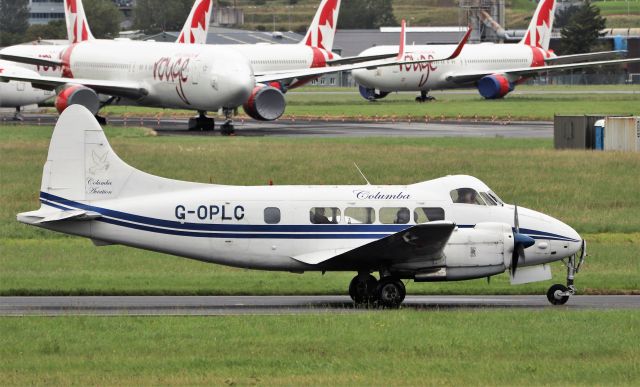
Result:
[[594, 192], [496, 347], [346, 103]]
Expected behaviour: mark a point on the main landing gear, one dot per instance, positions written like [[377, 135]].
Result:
[[227, 128], [366, 291], [17, 116], [202, 122], [559, 294], [424, 97]]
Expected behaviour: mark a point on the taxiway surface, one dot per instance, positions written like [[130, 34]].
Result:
[[240, 305], [335, 128]]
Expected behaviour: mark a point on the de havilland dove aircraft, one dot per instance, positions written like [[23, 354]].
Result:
[[494, 69], [195, 76], [448, 229], [16, 94]]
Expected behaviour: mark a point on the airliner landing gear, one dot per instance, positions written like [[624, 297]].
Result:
[[17, 116], [227, 128], [362, 289], [103, 120], [202, 122], [559, 294], [424, 97]]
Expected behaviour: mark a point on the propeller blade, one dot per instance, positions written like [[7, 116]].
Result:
[[518, 252], [516, 223]]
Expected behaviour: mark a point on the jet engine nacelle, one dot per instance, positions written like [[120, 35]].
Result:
[[266, 103], [494, 86], [371, 94], [77, 95]]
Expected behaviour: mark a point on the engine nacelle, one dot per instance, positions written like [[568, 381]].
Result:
[[77, 95], [494, 86], [371, 94], [266, 103]]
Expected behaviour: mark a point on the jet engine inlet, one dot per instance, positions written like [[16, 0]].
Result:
[[266, 103]]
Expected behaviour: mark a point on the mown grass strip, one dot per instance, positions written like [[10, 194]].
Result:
[[496, 347]]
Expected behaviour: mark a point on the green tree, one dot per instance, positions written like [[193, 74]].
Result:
[[55, 29], [581, 33], [366, 14], [104, 18], [153, 16], [14, 21]]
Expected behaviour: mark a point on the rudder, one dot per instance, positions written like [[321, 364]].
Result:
[[539, 32]]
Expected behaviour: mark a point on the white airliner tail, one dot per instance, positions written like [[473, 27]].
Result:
[[539, 31], [197, 25], [323, 27], [77, 25], [82, 166]]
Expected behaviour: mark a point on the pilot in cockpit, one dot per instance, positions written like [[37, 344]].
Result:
[[466, 196]]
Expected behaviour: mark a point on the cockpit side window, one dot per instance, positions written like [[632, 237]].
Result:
[[496, 198], [466, 196]]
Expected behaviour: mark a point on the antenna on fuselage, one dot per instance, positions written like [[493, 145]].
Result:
[[362, 174]]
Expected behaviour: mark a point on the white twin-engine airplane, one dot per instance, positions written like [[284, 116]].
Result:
[[494, 69], [447, 229], [194, 76]]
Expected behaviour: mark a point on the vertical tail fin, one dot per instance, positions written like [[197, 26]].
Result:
[[323, 27], [77, 25], [197, 25], [539, 32], [403, 40]]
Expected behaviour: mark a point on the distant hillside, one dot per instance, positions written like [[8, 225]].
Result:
[[417, 13]]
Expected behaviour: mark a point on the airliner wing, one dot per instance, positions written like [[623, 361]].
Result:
[[421, 242], [603, 55], [359, 59], [372, 64], [470, 77], [117, 88], [31, 60]]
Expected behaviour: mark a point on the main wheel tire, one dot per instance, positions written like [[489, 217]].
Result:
[[362, 289], [554, 297], [390, 292]]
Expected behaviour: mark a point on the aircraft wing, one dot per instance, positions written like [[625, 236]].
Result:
[[31, 60], [470, 77], [359, 59], [117, 88], [416, 243], [603, 55], [371, 64]]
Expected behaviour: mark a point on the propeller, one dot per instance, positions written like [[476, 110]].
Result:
[[520, 242]]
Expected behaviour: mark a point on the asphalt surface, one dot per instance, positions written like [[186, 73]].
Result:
[[333, 128], [271, 305]]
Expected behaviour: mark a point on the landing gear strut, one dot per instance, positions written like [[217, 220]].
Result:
[[103, 120], [202, 122], [366, 291], [227, 128], [424, 96], [559, 294], [17, 116]]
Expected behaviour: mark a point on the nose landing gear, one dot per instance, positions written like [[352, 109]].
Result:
[[366, 291], [559, 294]]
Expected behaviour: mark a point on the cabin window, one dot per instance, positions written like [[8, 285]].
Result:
[[466, 196], [272, 215], [428, 214], [359, 215], [395, 215], [324, 215]]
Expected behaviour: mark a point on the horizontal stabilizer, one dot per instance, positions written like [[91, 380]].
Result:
[[44, 216]]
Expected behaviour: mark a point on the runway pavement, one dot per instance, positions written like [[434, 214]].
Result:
[[335, 128], [249, 305]]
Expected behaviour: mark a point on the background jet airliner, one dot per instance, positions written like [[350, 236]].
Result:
[[195, 77], [16, 94], [447, 229], [494, 69]]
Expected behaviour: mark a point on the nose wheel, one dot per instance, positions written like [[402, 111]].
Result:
[[366, 291], [559, 294]]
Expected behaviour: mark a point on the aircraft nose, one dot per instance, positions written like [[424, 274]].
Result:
[[237, 83]]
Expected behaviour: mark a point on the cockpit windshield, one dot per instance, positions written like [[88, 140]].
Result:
[[495, 197]]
